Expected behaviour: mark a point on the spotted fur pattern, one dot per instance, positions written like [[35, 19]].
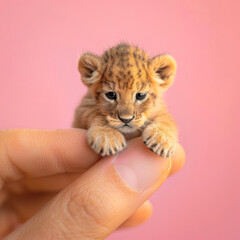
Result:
[[126, 71]]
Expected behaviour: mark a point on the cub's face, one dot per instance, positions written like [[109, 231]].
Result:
[[126, 103], [126, 84]]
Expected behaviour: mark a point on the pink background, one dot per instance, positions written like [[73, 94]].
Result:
[[40, 43]]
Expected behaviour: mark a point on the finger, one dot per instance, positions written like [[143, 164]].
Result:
[[58, 182], [141, 215], [8, 220], [25, 207], [53, 183], [178, 159], [3, 197], [36, 153], [101, 199]]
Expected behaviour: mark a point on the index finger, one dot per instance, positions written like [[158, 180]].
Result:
[[39, 153]]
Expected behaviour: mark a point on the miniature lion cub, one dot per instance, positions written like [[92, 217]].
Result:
[[125, 100]]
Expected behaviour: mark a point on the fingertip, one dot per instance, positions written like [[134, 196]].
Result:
[[178, 159], [141, 215]]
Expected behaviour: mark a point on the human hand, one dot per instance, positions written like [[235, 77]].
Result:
[[83, 198]]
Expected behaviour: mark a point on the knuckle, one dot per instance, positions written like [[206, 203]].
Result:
[[87, 209]]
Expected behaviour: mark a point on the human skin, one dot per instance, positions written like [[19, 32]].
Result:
[[56, 187]]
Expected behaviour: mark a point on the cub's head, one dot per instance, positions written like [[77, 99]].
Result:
[[126, 84]]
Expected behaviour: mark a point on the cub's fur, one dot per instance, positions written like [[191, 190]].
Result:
[[124, 100]]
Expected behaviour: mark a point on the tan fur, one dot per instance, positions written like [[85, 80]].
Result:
[[126, 70]]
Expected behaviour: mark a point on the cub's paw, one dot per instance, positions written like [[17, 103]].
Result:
[[160, 142], [105, 141]]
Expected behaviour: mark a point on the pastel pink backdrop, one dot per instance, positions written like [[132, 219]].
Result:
[[40, 43]]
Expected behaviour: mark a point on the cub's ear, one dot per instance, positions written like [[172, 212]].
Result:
[[89, 66], [162, 70]]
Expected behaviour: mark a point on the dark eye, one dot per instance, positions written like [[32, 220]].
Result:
[[140, 96], [111, 95]]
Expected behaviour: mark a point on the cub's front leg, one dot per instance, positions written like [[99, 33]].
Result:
[[105, 140], [160, 136]]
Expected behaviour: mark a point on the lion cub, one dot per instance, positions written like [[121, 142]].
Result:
[[125, 100]]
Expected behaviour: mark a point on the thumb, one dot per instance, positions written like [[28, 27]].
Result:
[[101, 199]]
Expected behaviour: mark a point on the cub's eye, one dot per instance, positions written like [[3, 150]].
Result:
[[140, 96], [111, 95]]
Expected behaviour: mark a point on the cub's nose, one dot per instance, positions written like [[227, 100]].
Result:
[[126, 120]]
